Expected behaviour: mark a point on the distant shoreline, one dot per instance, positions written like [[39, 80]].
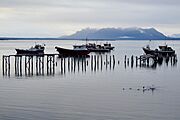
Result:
[[13, 38], [9, 38]]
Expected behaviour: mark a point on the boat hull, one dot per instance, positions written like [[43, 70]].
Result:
[[70, 52], [29, 52], [99, 50]]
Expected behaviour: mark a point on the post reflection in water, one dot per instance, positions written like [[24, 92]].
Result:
[[81, 64]]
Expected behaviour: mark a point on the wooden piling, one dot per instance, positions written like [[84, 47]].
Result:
[[125, 57], [132, 61], [101, 62], [3, 64], [110, 61], [68, 63], [136, 61], [64, 61], [140, 61], [114, 59], [61, 65], [148, 62], [94, 62], [29, 66], [82, 63], [78, 63], [9, 64], [20, 65], [91, 62], [97, 62], [53, 63], [75, 64], [128, 61]]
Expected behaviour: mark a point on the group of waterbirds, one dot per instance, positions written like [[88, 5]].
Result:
[[148, 88]]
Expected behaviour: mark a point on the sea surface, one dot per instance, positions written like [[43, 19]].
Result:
[[101, 94]]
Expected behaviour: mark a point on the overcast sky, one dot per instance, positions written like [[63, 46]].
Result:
[[53, 18]]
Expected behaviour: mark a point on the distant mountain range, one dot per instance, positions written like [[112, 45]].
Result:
[[110, 34], [175, 36], [119, 34]]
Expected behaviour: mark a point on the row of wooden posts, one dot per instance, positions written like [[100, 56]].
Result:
[[144, 60], [25, 64], [47, 63]]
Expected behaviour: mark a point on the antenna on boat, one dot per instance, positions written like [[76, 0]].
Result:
[[86, 40]]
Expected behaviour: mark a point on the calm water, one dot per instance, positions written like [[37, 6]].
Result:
[[92, 95]]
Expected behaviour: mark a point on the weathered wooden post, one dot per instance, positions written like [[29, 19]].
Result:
[[97, 62], [132, 61], [47, 65], [64, 65], [53, 63], [85, 63], [148, 61], [6, 64], [110, 61], [174, 58], [128, 61], [136, 61], [78, 63], [106, 62], [3, 64], [9, 65], [42, 65], [15, 65], [36, 65], [75, 63], [72, 64], [91, 62], [29, 65], [68, 63], [20, 65], [50, 62], [125, 57], [82, 58], [101, 62], [171, 60], [61, 65], [114, 59], [94, 62], [25, 65], [140, 61]]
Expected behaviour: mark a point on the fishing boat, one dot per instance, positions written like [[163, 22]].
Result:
[[108, 46], [163, 50], [92, 47], [77, 51], [37, 49]]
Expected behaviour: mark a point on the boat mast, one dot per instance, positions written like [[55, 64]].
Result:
[[86, 40]]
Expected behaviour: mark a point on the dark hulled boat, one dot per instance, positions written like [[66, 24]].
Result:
[[81, 51], [163, 50], [36, 50]]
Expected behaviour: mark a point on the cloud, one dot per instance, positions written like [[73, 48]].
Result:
[[70, 3], [66, 16]]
